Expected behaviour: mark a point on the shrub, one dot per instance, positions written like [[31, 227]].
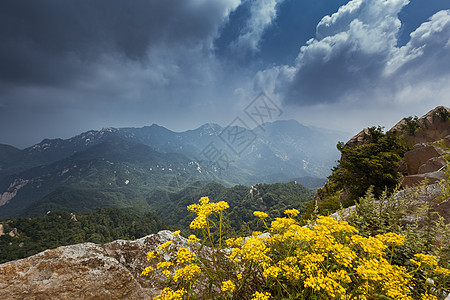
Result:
[[327, 259], [374, 163], [411, 125], [443, 114]]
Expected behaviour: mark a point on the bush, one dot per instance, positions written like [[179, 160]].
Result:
[[327, 259], [443, 114], [411, 125], [374, 163]]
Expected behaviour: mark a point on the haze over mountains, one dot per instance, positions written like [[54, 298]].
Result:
[[122, 167]]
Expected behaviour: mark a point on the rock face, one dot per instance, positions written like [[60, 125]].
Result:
[[419, 156], [426, 160], [433, 127], [83, 271]]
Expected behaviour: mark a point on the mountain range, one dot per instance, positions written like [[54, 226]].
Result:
[[123, 166]]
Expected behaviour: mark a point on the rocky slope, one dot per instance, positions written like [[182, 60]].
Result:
[[83, 271], [428, 137]]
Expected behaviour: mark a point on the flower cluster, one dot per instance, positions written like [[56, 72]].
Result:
[[204, 210], [325, 260], [174, 266]]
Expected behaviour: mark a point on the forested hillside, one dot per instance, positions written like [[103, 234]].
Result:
[[23, 237]]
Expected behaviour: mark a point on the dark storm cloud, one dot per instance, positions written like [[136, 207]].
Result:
[[55, 41], [68, 66]]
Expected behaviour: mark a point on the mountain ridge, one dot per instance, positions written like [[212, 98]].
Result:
[[151, 156]]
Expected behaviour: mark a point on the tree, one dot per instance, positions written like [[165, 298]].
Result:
[[374, 163]]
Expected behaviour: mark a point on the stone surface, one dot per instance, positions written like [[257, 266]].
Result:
[[83, 271], [413, 180], [419, 156], [433, 128], [358, 139], [432, 165]]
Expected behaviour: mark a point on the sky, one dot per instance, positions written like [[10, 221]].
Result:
[[70, 66]]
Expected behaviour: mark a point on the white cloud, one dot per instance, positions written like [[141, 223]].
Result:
[[427, 50], [354, 58], [262, 14]]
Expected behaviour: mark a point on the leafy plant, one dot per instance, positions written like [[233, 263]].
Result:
[[443, 114], [371, 164], [56, 229], [411, 125], [326, 260]]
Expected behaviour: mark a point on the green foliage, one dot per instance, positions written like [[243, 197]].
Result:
[[62, 228], [411, 125], [406, 214], [271, 198], [443, 114], [327, 259], [371, 164]]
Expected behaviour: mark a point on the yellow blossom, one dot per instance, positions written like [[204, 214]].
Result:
[[169, 294], [261, 296], [192, 239], [147, 271], [228, 286], [260, 214], [151, 255], [185, 255], [164, 246], [272, 271], [292, 212], [188, 273], [204, 210], [391, 238], [427, 296], [164, 265], [425, 259]]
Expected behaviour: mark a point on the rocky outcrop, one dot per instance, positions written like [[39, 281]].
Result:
[[433, 127], [425, 161], [431, 177], [432, 165], [358, 139], [83, 271], [420, 156]]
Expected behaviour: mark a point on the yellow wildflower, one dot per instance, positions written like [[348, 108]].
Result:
[[204, 210], [192, 239], [164, 246], [425, 259], [260, 214], [372, 246], [427, 296], [442, 271], [228, 286], [148, 270], [166, 273], [261, 296], [272, 271], [281, 224], [175, 233], [188, 273], [169, 294], [164, 265], [151, 255], [391, 238], [185, 255], [291, 212]]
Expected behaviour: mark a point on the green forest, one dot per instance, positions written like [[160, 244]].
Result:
[[102, 225], [33, 235]]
